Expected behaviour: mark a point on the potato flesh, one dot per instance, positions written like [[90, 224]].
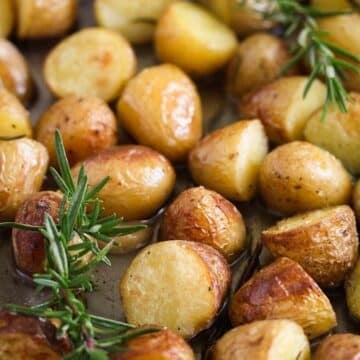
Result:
[[6, 17]]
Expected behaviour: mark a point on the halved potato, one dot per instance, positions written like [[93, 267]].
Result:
[[264, 340], [7, 17], [282, 107], [283, 290], [177, 284], [324, 242], [192, 38], [352, 289], [356, 199], [92, 62], [228, 160]]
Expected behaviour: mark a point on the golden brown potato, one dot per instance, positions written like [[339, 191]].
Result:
[[161, 345], [257, 61], [190, 37], [331, 5], [299, 176], [92, 62], [140, 181], [283, 290], [352, 288], [228, 160], [202, 215], [356, 199], [23, 164], [338, 133], [161, 108], [264, 340], [282, 107], [177, 284], [42, 19], [324, 242], [7, 17], [87, 126]]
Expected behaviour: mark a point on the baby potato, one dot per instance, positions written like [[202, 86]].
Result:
[[87, 126], [43, 19], [92, 62], [161, 108], [324, 242], [264, 340], [257, 61], [338, 133], [356, 199], [190, 37], [228, 160], [202, 215], [299, 176], [23, 164], [14, 118], [352, 289], [7, 17], [283, 290], [177, 284], [135, 19], [331, 5], [140, 181], [282, 108]]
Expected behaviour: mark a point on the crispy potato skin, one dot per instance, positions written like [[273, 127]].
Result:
[[324, 242], [299, 176], [6, 17], [352, 289], [23, 164], [356, 199], [283, 290], [87, 126], [161, 345], [141, 179], [161, 108], [202, 215]]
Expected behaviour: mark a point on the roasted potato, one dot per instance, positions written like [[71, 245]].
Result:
[[283, 290], [331, 5], [352, 289], [324, 242], [136, 20], [43, 19], [140, 181], [92, 62], [299, 176], [177, 284], [338, 133], [161, 108], [190, 37], [282, 108], [87, 126], [228, 160], [264, 340], [356, 199], [164, 345], [7, 17], [202, 215], [23, 164]]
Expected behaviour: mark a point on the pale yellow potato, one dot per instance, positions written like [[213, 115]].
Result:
[[7, 17], [43, 19], [135, 19], [356, 199], [263, 340], [282, 107], [352, 289], [299, 176], [324, 242], [338, 133], [14, 118], [91, 62], [140, 181], [331, 5], [177, 284], [23, 164], [192, 38], [283, 290], [228, 160]]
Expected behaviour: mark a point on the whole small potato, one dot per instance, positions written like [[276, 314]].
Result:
[[7, 17], [324, 242], [23, 164], [140, 181], [331, 5], [202, 215], [87, 126], [228, 160], [356, 199], [283, 290], [91, 62], [43, 19], [190, 37], [299, 176], [352, 289], [264, 340], [161, 108]]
